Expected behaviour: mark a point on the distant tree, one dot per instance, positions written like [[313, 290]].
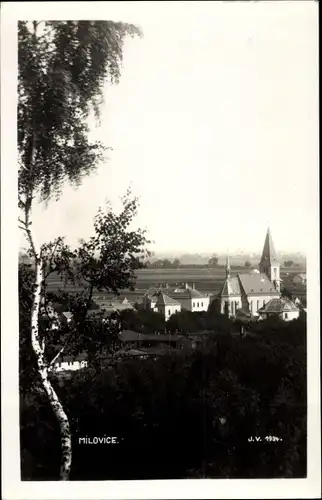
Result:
[[247, 263], [213, 261], [288, 263], [151, 321], [185, 322], [287, 293], [176, 263], [214, 307]]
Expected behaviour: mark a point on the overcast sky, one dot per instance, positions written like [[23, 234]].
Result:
[[214, 124]]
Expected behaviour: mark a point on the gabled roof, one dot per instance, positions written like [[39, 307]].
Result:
[[231, 287], [187, 293], [129, 335], [196, 294], [111, 306], [151, 292], [269, 254], [257, 284], [67, 314], [279, 305], [68, 358], [165, 300]]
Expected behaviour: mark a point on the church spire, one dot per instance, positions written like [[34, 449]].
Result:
[[228, 267], [269, 253], [269, 264]]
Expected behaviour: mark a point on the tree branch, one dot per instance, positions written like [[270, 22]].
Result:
[[56, 356]]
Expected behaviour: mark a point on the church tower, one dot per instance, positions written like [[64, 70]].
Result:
[[269, 264]]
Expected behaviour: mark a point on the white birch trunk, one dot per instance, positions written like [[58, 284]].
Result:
[[38, 348]]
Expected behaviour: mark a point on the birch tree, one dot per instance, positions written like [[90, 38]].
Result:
[[62, 69]]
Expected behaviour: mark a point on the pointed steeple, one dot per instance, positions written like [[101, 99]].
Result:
[[269, 253], [269, 264], [228, 267]]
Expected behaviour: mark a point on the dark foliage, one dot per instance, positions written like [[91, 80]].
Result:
[[185, 415]]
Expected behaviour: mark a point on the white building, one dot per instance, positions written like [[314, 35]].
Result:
[[252, 291], [70, 363], [165, 305], [284, 308], [184, 297], [191, 299]]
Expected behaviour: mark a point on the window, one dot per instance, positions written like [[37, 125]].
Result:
[[264, 302], [251, 306], [257, 305], [169, 312], [201, 304], [232, 308], [197, 304], [194, 304], [286, 316]]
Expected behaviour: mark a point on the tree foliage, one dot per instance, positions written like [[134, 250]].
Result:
[[62, 70], [213, 261], [191, 414]]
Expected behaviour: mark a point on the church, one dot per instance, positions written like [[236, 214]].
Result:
[[249, 292]]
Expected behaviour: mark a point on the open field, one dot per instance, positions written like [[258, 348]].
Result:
[[206, 280]]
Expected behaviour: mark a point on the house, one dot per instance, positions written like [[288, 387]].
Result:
[[136, 340], [190, 299], [182, 297], [66, 317], [298, 302], [111, 306], [70, 363], [156, 300], [300, 279], [252, 291], [282, 307]]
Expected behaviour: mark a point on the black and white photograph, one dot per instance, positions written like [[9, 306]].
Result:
[[160, 294]]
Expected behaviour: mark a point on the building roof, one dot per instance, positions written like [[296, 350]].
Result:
[[155, 351], [257, 284], [112, 306], [67, 314], [231, 287], [131, 336], [165, 300], [269, 253], [129, 352], [187, 293], [278, 306], [251, 284], [68, 358], [160, 337], [151, 292]]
